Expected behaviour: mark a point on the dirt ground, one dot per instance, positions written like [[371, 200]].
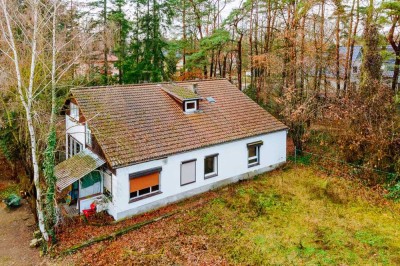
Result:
[[16, 228]]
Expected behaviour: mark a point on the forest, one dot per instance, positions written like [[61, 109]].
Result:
[[329, 69]]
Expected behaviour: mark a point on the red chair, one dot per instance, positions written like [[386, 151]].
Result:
[[91, 211]]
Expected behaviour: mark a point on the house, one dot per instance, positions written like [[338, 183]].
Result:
[[133, 148], [387, 68], [355, 66], [389, 58]]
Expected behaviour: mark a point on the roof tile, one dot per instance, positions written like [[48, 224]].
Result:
[[137, 123]]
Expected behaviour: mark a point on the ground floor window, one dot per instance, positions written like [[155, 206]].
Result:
[[144, 183], [74, 146], [253, 150], [107, 183], [188, 172], [211, 166]]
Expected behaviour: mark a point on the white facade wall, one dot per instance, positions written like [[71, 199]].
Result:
[[76, 130], [232, 166]]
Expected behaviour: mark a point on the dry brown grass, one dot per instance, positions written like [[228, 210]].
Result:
[[291, 216]]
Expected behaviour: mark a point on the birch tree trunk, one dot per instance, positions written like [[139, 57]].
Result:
[[25, 94]]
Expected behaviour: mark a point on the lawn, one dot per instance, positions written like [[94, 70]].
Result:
[[295, 215]]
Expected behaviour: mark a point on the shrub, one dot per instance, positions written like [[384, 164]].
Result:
[[394, 192]]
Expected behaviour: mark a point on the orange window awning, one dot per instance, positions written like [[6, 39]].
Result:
[[144, 181]]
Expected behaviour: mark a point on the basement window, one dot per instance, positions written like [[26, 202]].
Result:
[[190, 106]]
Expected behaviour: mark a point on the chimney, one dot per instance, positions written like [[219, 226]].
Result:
[[194, 88]]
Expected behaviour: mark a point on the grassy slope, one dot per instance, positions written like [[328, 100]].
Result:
[[300, 217], [293, 216]]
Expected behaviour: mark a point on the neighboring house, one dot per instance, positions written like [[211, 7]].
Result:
[[144, 146], [94, 63], [389, 59], [355, 66]]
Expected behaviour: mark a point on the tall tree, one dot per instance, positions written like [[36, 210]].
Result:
[[371, 73], [393, 10], [40, 46], [119, 17]]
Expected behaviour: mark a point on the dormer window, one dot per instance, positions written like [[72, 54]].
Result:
[[187, 98], [190, 106], [74, 111]]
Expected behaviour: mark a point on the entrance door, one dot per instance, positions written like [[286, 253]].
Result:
[[74, 192]]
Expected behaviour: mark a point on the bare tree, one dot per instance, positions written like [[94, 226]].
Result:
[[25, 43]]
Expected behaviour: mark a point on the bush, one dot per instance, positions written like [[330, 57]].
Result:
[[8, 190], [394, 192]]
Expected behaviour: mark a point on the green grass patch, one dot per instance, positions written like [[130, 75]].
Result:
[[7, 190], [299, 216]]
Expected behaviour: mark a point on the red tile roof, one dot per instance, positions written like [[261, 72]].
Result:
[[138, 123]]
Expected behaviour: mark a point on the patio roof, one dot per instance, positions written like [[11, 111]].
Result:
[[76, 167]]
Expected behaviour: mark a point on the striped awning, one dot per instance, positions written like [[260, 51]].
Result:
[[76, 167]]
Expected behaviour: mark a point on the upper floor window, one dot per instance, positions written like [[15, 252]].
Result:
[[190, 106], [74, 111], [74, 146], [253, 150], [88, 135], [355, 69]]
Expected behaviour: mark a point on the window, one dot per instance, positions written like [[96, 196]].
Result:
[[88, 135], [211, 166], [188, 172], [74, 146], [190, 106], [74, 111], [107, 182], [144, 184], [355, 69], [253, 150]]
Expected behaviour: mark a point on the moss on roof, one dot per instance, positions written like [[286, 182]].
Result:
[[138, 123], [76, 167], [180, 92]]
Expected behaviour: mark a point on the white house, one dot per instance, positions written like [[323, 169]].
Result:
[[132, 148]]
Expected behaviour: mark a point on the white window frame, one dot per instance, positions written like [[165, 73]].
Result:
[[74, 111], [190, 110], [257, 156], [88, 135], [72, 147], [212, 174]]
